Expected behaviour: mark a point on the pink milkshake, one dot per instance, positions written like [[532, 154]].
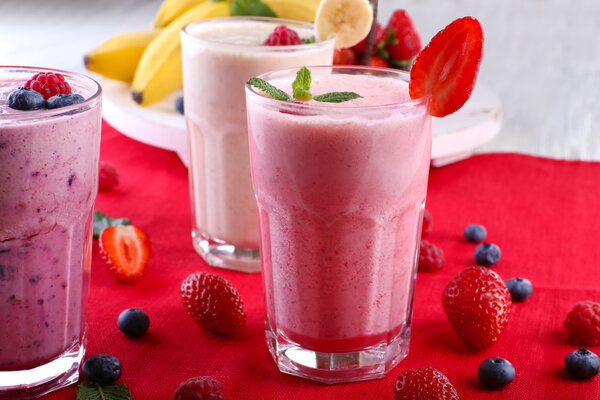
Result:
[[48, 183], [340, 191], [219, 55]]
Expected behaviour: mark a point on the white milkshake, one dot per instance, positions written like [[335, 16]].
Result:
[[219, 56]]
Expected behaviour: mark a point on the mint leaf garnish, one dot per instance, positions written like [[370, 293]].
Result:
[[301, 86], [251, 7], [102, 221], [336, 97], [271, 90], [309, 40], [92, 391]]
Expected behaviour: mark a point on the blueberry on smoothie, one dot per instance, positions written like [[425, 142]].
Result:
[[102, 369], [63, 100], [133, 322], [25, 100]]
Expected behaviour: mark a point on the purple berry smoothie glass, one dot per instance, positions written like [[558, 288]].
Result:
[[48, 183]]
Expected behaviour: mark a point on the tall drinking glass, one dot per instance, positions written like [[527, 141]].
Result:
[[219, 56], [48, 183], [341, 190]]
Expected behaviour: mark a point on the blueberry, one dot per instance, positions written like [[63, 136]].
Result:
[[102, 369], [25, 99], [179, 105], [496, 372], [475, 233], [487, 254], [63, 100], [520, 289], [582, 363], [133, 322]]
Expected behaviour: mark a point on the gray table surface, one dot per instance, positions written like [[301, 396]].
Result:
[[542, 57]]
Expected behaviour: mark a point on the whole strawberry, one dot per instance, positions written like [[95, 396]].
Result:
[[200, 388], [583, 323], [406, 41], [477, 304], [424, 384], [213, 303]]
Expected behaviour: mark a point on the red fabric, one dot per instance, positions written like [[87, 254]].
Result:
[[542, 213]]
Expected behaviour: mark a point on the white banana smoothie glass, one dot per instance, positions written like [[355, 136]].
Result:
[[219, 56]]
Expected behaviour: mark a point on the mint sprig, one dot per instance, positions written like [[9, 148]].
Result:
[[309, 40], [301, 90], [92, 391], [251, 7], [102, 221], [301, 85]]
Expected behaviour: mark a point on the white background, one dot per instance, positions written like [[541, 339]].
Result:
[[541, 56]]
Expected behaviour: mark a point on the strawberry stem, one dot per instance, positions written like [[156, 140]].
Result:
[[366, 58]]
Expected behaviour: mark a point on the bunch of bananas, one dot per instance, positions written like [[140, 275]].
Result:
[[150, 60]]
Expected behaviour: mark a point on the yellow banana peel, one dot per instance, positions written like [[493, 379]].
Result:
[[170, 10], [159, 71], [300, 10], [118, 56]]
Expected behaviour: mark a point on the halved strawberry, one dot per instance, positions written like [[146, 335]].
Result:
[[447, 67], [126, 249]]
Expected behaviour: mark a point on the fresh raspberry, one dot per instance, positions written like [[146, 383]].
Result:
[[345, 56], [283, 36], [361, 46], [377, 61], [427, 223], [48, 84], [477, 304], [108, 177], [447, 67], [213, 302], [424, 384], [583, 323], [405, 40], [200, 388], [431, 257]]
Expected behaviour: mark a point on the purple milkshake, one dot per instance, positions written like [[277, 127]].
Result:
[[48, 184]]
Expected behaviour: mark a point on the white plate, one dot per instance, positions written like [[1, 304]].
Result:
[[455, 137]]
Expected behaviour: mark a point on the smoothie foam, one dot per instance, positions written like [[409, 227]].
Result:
[[340, 199]]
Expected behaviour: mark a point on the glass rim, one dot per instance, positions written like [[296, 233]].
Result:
[[187, 31], [28, 115], [258, 95]]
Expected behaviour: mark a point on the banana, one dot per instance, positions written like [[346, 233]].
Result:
[[170, 10], [299, 10], [118, 56], [159, 71], [349, 21]]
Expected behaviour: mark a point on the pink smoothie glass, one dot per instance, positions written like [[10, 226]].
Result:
[[48, 183], [219, 56], [341, 191]]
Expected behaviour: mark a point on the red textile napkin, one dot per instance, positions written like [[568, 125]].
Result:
[[542, 213]]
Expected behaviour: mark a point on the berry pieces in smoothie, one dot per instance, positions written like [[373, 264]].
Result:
[[583, 323], [496, 372], [200, 388], [283, 36], [447, 68], [63, 100], [424, 384], [126, 249], [25, 100], [431, 257], [475, 233], [582, 363], [133, 322], [48, 84], [477, 304], [520, 289], [213, 302], [108, 177], [487, 254], [102, 368]]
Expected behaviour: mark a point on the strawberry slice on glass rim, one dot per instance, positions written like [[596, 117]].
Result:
[[446, 69]]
